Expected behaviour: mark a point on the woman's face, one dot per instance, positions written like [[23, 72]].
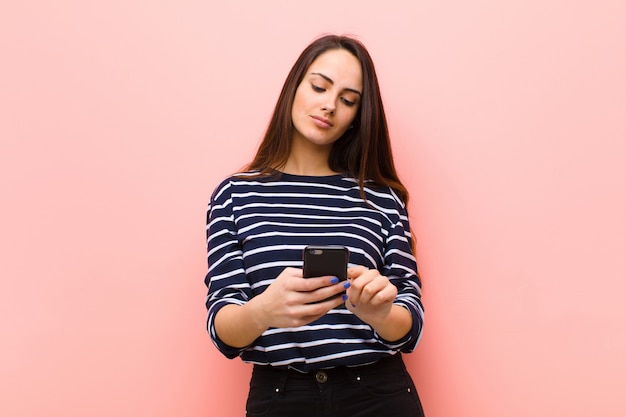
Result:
[[327, 99]]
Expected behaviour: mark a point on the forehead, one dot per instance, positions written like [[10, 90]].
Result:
[[340, 66]]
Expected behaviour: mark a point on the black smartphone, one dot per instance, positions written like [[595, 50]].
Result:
[[325, 260]]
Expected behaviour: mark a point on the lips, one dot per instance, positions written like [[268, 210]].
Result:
[[322, 122]]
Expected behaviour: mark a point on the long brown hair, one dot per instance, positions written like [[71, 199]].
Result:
[[362, 152]]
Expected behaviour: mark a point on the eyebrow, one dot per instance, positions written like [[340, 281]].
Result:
[[327, 78]]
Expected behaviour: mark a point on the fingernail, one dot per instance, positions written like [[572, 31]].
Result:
[[344, 297], [353, 305], [334, 280], [346, 285]]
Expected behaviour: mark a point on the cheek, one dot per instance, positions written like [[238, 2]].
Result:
[[349, 117], [299, 105], [300, 97], [296, 106]]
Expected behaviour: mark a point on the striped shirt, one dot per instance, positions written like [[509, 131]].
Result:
[[256, 227]]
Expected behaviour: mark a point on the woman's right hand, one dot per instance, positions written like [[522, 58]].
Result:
[[292, 301]]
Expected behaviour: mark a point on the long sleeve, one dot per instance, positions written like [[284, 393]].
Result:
[[226, 278], [401, 269]]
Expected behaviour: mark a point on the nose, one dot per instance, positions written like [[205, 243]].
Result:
[[329, 107]]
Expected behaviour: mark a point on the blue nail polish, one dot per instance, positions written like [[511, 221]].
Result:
[[334, 280], [346, 285], [344, 297]]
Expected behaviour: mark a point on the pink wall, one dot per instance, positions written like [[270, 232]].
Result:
[[118, 118]]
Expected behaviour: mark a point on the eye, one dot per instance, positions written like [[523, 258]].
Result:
[[347, 102], [317, 88]]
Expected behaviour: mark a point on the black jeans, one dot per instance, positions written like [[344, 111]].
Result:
[[382, 389]]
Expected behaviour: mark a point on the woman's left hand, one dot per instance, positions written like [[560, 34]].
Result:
[[370, 295]]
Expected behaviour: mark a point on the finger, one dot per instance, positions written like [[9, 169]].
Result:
[[336, 301], [369, 287], [316, 310], [336, 286], [312, 284], [369, 291], [332, 291], [359, 282], [386, 295], [318, 307], [355, 271]]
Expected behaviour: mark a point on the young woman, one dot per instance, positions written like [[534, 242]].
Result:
[[323, 175]]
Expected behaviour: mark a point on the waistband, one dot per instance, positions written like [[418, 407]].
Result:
[[321, 375]]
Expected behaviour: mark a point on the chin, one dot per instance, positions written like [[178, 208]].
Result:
[[323, 143], [321, 140]]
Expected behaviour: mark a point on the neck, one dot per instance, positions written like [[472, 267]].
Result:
[[306, 158], [296, 167]]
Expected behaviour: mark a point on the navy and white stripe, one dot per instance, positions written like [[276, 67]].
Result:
[[256, 227]]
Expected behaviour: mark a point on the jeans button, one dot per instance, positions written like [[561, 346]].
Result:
[[321, 377]]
